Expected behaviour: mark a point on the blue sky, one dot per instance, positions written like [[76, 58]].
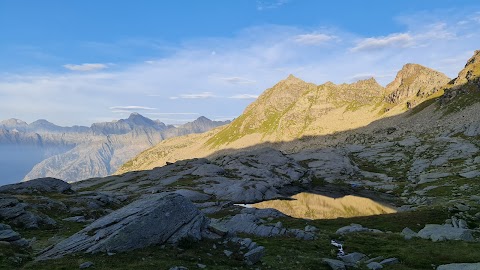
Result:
[[78, 62]]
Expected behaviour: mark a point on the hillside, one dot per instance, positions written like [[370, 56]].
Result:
[[293, 109]]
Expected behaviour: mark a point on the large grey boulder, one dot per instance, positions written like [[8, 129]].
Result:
[[254, 255], [354, 228], [353, 258], [40, 185], [437, 232], [459, 266], [157, 219]]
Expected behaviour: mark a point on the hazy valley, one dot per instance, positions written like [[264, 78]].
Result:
[[42, 149]]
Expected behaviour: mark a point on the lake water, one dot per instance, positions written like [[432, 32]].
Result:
[[314, 206]]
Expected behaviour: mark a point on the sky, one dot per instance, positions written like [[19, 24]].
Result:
[[83, 61]]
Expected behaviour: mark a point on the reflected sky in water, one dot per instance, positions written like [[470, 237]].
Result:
[[314, 206]]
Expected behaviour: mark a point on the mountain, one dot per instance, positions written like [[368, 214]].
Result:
[[42, 149], [123, 126], [293, 111], [413, 82]]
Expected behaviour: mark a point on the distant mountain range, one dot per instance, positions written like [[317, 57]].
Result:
[[42, 149]]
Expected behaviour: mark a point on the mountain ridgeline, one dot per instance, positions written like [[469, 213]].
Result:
[[293, 109], [42, 149]]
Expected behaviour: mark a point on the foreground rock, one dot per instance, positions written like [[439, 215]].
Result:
[[40, 185], [354, 228], [437, 232], [17, 213], [12, 237], [460, 266], [160, 218]]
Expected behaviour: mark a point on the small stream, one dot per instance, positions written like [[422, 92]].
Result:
[[314, 206]]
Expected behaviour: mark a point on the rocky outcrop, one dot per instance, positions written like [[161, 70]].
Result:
[[251, 221], [18, 214], [354, 228], [38, 186], [444, 232], [459, 266], [156, 219], [414, 81]]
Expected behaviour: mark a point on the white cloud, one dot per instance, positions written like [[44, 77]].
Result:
[[238, 80], [131, 108], [313, 39], [401, 40], [85, 67], [244, 96], [195, 96]]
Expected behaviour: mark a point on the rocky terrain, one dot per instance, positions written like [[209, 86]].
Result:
[[180, 204], [42, 149]]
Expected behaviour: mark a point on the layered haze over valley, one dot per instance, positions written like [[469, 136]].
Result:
[[43, 149], [262, 134]]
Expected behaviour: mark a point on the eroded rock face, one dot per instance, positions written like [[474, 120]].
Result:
[[157, 219], [40, 185]]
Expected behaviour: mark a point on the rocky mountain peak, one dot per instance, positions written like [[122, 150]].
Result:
[[471, 71], [414, 80], [370, 83], [292, 80]]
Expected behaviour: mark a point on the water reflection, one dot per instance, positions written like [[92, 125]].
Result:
[[313, 206]]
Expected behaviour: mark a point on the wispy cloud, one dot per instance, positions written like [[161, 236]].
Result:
[[401, 40], [270, 4], [313, 39], [85, 67], [422, 38], [202, 95], [131, 108], [238, 80], [244, 96]]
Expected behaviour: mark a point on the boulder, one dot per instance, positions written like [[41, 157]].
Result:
[[389, 261], [40, 185], [86, 265], [459, 266], [156, 219], [374, 266], [408, 233], [353, 258], [352, 228], [437, 232], [254, 255], [16, 213], [335, 264]]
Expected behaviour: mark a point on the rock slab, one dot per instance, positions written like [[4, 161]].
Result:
[[157, 219]]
